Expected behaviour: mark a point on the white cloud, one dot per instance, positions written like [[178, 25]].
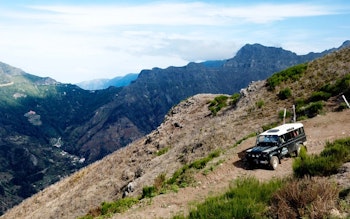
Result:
[[75, 43]]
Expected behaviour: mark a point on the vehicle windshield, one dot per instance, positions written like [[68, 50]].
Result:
[[267, 139]]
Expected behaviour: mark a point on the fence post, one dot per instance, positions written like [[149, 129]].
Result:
[[347, 103], [294, 114]]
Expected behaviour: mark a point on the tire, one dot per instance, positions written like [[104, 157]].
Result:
[[274, 162]]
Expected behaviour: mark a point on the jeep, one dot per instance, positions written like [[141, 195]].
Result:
[[275, 144]]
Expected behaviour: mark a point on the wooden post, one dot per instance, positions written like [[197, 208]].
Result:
[[284, 116], [347, 103], [294, 114]]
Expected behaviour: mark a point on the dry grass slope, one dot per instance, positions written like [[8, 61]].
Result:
[[189, 132]]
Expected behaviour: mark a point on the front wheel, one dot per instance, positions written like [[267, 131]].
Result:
[[274, 162]]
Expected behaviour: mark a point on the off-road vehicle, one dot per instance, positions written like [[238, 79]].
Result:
[[276, 143]]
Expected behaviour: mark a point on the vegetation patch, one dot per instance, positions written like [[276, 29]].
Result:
[[107, 209], [234, 99], [325, 164], [217, 104], [313, 105], [281, 114], [246, 198], [162, 151], [270, 126], [260, 104], [305, 198], [222, 101], [310, 110], [285, 93], [294, 73], [244, 138], [341, 85], [183, 176]]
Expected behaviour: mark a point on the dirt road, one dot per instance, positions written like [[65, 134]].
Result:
[[319, 130]]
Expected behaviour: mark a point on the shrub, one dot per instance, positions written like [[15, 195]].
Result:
[[325, 164], [285, 93], [162, 151], [310, 110], [305, 198], [159, 181], [217, 104], [269, 126], [319, 95], [281, 114], [234, 98], [149, 191], [341, 85], [260, 104], [294, 73]]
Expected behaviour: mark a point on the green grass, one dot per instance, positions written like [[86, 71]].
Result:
[[235, 98], [183, 176], [246, 198], [217, 104], [107, 209], [285, 94], [244, 138], [291, 74], [162, 151], [324, 164]]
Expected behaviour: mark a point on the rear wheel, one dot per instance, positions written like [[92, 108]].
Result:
[[274, 162]]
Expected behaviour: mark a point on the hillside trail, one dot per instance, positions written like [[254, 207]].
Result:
[[319, 130]]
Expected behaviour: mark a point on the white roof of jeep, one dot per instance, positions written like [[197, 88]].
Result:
[[282, 129]]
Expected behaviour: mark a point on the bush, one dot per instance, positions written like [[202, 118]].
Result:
[[325, 164], [319, 95], [270, 126], [234, 98], [305, 198], [340, 86], [294, 73], [285, 93], [281, 114], [217, 104], [162, 151], [310, 110], [149, 191], [260, 104]]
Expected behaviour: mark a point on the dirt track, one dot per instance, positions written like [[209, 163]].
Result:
[[319, 130]]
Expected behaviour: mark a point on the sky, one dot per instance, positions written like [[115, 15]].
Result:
[[75, 41]]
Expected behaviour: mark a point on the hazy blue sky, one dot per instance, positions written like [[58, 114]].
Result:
[[74, 41]]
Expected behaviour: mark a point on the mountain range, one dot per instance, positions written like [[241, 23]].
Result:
[[49, 130], [195, 153], [99, 84]]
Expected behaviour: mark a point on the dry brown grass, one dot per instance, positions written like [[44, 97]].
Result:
[[305, 198]]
